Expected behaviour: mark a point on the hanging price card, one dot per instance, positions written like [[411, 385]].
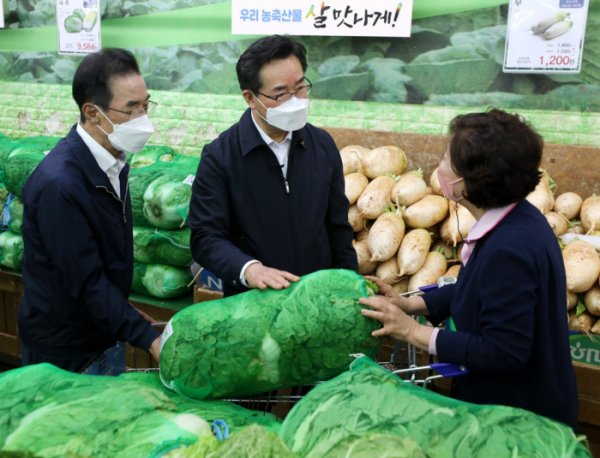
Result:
[[545, 36], [78, 24]]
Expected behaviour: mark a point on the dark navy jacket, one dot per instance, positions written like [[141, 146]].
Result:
[[509, 307], [78, 260], [241, 209]]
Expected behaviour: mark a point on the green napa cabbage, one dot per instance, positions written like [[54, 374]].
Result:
[[151, 155], [78, 13], [166, 202], [162, 247], [73, 24], [379, 445], [17, 167], [11, 250], [161, 281], [15, 208], [252, 442], [90, 21]]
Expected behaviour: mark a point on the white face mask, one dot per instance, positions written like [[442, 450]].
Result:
[[131, 136], [289, 117]]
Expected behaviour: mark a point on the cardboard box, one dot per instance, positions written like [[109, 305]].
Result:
[[584, 349], [204, 294]]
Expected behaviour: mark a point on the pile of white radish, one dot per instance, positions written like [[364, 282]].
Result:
[[406, 232]]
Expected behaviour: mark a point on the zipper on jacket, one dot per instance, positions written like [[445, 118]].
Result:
[[116, 197], [287, 186]]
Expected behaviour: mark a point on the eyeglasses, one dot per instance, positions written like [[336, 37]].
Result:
[[285, 96], [139, 112]]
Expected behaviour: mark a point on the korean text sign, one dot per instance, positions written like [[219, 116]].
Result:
[[78, 24], [357, 18]]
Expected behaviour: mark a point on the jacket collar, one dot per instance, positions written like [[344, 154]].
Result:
[[86, 160], [251, 138]]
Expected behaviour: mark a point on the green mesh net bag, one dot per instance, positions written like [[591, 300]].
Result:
[[48, 142], [161, 281], [15, 210], [371, 400], [53, 413], [152, 246], [151, 155], [160, 195], [191, 161], [9, 147], [17, 167], [264, 340], [235, 416], [11, 250]]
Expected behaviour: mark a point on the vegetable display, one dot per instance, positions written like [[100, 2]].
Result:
[[151, 246], [11, 250], [161, 281], [264, 340], [369, 400]]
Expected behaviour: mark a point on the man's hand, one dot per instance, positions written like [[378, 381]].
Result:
[[261, 277], [155, 349], [145, 316]]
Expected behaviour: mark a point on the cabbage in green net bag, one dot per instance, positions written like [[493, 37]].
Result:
[[151, 155], [371, 400], [162, 247], [53, 413], [11, 250], [160, 195], [264, 340], [9, 147], [161, 281], [191, 161], [17, 167], [48, 142], [15, 210]]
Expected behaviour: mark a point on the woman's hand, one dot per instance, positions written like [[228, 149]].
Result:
[[394, 297], [396, 323]]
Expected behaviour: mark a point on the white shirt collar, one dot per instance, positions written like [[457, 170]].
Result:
[[104, 159], [268, 140]]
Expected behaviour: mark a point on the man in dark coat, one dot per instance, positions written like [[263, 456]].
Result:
[[268, 201]]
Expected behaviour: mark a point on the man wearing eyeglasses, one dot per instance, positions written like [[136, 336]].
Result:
[[77, 228], [268, 202]]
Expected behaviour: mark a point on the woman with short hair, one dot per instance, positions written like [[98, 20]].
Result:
[[509, 303]]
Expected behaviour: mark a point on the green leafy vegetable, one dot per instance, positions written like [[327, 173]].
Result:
[[580, 308], [371, 400], [371, 445], [166, 202], [79, 13], [162, 247], [73, 24], [161, 281], [252, 441], [17, 167], [90, 21], [11, 250], [151, 155], [263, 340], [15, 208]]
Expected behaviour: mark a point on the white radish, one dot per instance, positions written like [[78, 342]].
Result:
[[568, 204], [557, 222], [388, 271], [572, 300], [541, 197], [582, 323], [385, 236], [590, 214], [365, 266], [462, 219], [428, 191], [351, 163], [453, 271], [582, 266], [386, 160], [355, 218], [413, 251], [402, 286], [375, 199], [577, 230], [591, 239], [548, 22], [360, 151], [596, 328], [362, 235], [434, 181], [558, 29], [427, 212], [591, 300], [442, 247], [434, 267], [409, 190], [355, 185], [459, 252]]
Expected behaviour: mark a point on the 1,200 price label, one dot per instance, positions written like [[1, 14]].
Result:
[[557, 60], [86, 46]]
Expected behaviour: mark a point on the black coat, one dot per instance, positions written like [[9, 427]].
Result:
[[509, 307], [78, 259], [243, 208]]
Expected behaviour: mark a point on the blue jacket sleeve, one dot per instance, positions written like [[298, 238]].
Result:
[[209, 221], [340, 232], [438, 303], [74, 251], [506, 316]]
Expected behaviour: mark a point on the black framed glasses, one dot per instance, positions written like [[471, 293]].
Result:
[[302, 91], [139, 112]]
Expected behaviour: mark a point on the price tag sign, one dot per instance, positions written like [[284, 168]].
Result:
[[545, 36], [78, 24]]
